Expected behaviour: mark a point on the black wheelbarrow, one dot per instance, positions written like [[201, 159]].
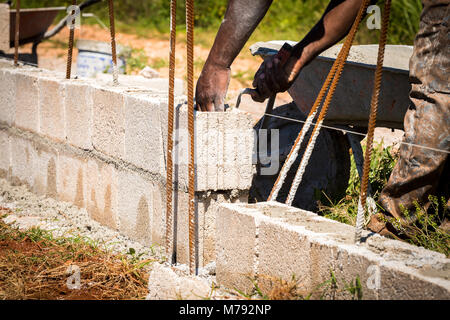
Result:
[[33, 28]]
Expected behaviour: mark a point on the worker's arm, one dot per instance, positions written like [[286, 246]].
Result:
[[334, 25], [241, 19]]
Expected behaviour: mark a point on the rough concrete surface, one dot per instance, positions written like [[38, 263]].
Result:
[[4, 26]]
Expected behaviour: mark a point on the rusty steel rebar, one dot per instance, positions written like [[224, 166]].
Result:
[[190, 85], [113, 41], [70, 49], [16, 34], [333, 77], [170, 116], [372, 121]]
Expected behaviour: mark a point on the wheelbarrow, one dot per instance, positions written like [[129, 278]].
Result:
[[329, 167], [33, 27]]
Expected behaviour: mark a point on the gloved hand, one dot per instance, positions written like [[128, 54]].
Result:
[[212, 86]]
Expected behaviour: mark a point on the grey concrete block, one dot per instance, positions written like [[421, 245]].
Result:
[[165, 284], [102, 193], [72, 179], [109, 122], [45, 173], [4, 27], [236, 248], [223, 148], [51, 108], [79, 113], [135, 206], [7, 96], [23, 163], [143, 140], [5, 155], [27, 101]]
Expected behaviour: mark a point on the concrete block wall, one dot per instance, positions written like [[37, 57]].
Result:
[[270, 241], [4, 27], [103, 148]]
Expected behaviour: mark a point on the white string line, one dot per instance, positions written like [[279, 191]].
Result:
[[302, 168], [285, 169], [349, 131]]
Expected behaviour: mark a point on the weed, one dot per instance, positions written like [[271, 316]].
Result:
[[137, 61], [159, 63], [345, 211], [423, 228]]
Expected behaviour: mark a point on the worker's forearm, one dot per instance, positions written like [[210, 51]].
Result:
[[332, 27], [241, 19]]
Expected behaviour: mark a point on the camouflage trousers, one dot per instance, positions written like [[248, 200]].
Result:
[[421, 172]]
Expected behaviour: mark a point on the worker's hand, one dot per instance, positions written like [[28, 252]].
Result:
[[270, 79], [212, 86]]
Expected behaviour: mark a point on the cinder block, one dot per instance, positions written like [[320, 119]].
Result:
[[159, 216], [4, 27], [23, 162], [207, 208], [213, 146], [236, 248], [245, 150], [7, 96], [231, 171], [223, 148], [109, 122], [295, 252], [102, 193], [135, 206], [6, 63], [27, 103], [51, 108], [5, 154], [143, 142], [79, 113], [72, 179], [45, 171]]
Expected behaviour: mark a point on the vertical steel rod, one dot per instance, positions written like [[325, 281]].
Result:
[[16, 35]]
